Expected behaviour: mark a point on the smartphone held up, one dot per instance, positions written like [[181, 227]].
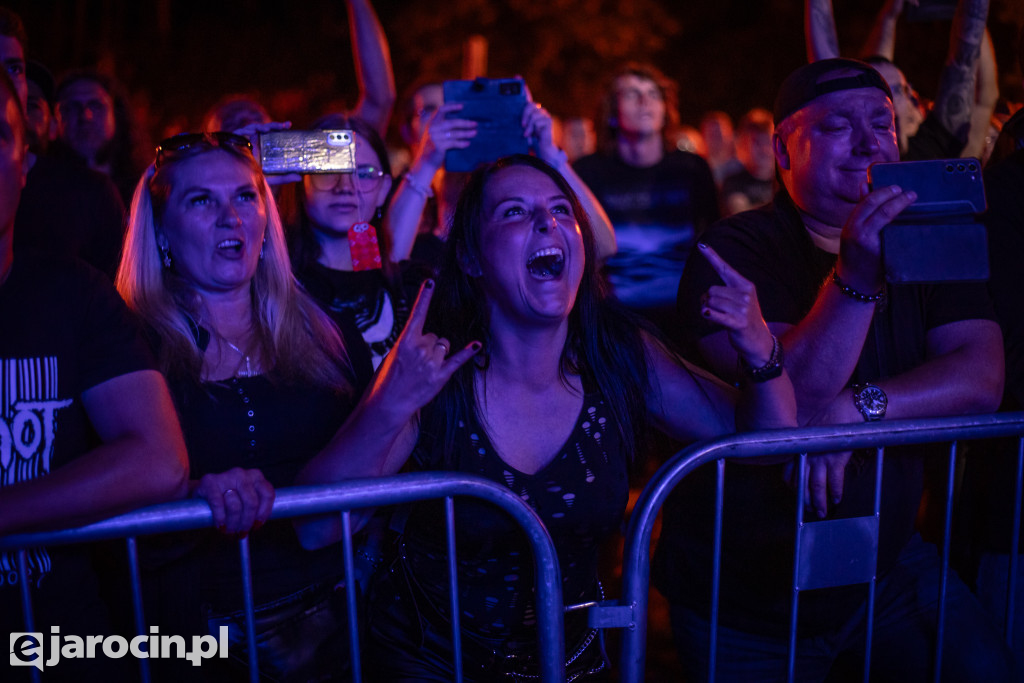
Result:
[[496, 105], [939, 237], [307, 151]]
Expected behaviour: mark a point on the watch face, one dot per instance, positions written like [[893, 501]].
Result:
[[872, 402]]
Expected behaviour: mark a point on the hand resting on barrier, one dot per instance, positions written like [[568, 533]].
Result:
[[240, 499]]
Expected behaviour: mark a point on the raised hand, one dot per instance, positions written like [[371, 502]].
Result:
[[420, 363], [240, 499], [253, 132], [734, 306], [860, 245], [538, 129], [442, 133]]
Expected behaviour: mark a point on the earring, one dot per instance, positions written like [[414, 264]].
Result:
[[379, 215], [165, 256]]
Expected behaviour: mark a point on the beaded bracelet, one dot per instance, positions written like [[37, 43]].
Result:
[[854, 294], [770, 370]]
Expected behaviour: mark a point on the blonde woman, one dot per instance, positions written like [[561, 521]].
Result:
[[261, 378]]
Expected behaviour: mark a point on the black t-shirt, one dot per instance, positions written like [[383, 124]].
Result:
[[758, 192], [657, 212], [71, 210], [379, 305], [65, 330], [990, 479], [932, 141], [771, 248], [1004, 187]]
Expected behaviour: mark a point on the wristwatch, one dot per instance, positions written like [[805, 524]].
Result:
[[870, 401]]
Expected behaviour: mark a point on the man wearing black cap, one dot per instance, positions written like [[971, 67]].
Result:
[[857, 350]]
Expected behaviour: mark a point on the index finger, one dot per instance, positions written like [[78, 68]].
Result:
[[526, 88], [531, 111], [888, 200], [725, 271], [418, 316]]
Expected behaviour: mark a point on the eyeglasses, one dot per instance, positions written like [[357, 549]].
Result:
[[367, 178], [426, 112], [184, 142]]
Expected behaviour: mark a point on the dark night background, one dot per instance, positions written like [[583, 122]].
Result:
[[178, 56]]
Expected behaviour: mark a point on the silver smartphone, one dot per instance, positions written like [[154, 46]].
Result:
[[308, 151]]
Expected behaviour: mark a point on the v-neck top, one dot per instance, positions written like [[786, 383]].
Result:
[[580, 494]]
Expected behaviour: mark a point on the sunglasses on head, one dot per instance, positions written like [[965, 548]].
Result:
[[184, 142]]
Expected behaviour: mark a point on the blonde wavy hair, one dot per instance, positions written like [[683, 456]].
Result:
[[301, 342]]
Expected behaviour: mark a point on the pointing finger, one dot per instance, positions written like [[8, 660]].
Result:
[[725, 271]]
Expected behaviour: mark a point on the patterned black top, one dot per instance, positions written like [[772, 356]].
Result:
[[580, 495]]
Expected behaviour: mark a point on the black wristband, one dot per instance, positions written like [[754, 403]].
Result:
[[854, 294], [770, 370]]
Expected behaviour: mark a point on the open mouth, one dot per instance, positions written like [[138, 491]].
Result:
[[546, 263], [230, 245]]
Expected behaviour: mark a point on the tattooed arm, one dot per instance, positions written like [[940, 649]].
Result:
[[955, 98], [985, 99], [820, 30]]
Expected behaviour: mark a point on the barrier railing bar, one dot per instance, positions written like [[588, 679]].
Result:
[[453, 587], [940, 627], [1011, 584], [26, 601], [138, 614], [794, 604], [636, 559], [869, 631], [355, 494], [715, 583], [350, 596], [250, 613]]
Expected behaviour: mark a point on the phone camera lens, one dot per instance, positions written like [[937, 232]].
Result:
[[949, 168], [960, 167]]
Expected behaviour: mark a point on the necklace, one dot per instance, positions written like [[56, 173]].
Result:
[[249, 371]]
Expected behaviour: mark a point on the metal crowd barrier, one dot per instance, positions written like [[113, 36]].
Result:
[[343, 497], [630, 613]]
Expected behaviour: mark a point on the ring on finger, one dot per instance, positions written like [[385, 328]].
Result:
[[227, 491], [444, 346]]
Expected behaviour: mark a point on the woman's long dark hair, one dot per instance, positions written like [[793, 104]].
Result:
[[604, 344]]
